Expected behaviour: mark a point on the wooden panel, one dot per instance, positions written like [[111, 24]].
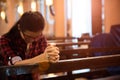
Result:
[[96, 16], [63, 65], [83, 63]]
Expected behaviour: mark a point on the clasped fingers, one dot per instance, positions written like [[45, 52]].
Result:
[[52, 54], [54, 59]]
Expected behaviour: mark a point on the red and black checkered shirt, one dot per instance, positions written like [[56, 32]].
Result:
[[11, 46]]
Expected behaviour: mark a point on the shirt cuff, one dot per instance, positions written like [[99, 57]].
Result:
[[13, 60]]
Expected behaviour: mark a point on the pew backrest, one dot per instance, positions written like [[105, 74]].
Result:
[[62, 65]]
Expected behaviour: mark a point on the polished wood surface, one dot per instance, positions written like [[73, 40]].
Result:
[[68, 65], [63, 65], [87, 52], [72, 43]]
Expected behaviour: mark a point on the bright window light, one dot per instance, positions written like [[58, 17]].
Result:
[[2, 14], [20, 8], [81, 71], [81, 17], [49, 2], [33, 5]]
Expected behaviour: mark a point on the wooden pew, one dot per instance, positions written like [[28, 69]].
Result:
[[93, 63], [61, 39], [72, 43], [63, 66], [84, 39], [89, 52], [69, 42], [69, 45], [68, 39]]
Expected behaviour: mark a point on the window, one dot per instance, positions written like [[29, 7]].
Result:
[[80, 16]]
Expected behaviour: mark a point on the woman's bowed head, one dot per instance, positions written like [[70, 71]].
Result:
[[30, 26]]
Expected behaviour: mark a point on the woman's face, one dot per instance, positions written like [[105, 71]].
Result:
[[30, 36]]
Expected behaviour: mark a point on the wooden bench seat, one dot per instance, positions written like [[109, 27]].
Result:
[[62, 66]]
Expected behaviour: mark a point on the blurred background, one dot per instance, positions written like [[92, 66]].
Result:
[[64, 18]]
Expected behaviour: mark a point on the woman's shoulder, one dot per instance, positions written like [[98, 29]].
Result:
[[4, 38]]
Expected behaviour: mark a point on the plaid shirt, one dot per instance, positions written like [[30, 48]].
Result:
[[12, 46]]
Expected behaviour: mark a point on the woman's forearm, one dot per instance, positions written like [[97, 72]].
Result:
[[37, 59]]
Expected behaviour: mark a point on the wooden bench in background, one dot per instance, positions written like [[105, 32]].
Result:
[[61, 39], [69, 42], [68, 39], [87, 52], [69, 45]]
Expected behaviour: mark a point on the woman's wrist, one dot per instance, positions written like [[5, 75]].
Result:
[[40, 58]]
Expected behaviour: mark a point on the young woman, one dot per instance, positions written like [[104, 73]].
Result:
[[25, 44]]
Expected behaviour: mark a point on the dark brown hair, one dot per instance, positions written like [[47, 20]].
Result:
[[32, 21]]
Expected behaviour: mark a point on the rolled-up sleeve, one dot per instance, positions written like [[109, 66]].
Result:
[[7, 55]]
